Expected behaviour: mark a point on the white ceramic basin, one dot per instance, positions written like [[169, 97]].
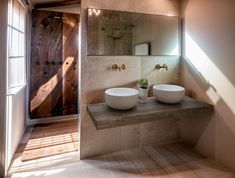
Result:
[[121, 98], [168, 93]]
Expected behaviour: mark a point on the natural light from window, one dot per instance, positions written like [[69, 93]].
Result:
[[16, 45], [201, 61]]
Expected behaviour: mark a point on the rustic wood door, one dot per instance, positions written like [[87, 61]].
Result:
[[54, 67]]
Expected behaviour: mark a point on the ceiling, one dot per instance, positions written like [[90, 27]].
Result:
[[43, 1], [52, 3]]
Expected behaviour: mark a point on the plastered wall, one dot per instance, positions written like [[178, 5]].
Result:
[[16, 122], [208, 75], [96, 76]]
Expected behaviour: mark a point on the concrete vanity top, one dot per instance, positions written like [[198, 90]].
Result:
[[105, 117]]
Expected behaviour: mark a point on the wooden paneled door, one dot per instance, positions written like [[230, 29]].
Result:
[[54, 67]]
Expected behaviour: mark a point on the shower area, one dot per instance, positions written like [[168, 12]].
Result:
[[53, 64]]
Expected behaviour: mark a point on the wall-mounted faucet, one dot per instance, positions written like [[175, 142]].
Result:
[[119, 68], [164, 66]]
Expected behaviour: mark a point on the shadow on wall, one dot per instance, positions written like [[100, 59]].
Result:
[[216, 86]]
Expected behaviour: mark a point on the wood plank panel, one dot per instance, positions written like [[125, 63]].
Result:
[[57, 4], [51, 139], [70, 50], [39, 69], [54, 56]]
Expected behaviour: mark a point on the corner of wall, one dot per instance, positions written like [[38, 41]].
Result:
[[214, 135]]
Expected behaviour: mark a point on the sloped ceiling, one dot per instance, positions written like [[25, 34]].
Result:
[[67, 6], [37, 2], [43, 1]]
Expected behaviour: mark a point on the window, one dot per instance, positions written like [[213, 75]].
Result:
[[16, 63]]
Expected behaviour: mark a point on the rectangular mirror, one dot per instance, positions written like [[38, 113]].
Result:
[[113, 33]]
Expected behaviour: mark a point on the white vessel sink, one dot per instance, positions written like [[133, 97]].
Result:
[[168, 93], [121, 98]]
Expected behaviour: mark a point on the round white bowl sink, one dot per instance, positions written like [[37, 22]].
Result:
[[168, 93], [121, 98]]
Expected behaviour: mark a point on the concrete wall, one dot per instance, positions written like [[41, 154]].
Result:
[[208, 74], [96, 76]]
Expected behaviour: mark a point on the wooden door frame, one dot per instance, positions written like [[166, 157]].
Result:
[[3, 67]]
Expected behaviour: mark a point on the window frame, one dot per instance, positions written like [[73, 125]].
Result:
[[21, 83]]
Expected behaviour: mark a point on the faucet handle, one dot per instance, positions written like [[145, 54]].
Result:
[[123, 66], [158, 67], [115, 67]]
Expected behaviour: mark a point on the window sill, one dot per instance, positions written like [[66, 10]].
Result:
[[15, 90]]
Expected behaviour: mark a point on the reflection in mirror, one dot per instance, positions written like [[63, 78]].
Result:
[[125, 33], [142, 49]]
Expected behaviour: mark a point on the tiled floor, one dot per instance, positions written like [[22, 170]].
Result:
[[173, 160]]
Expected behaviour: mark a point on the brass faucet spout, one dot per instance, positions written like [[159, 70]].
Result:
[[164, 66]]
